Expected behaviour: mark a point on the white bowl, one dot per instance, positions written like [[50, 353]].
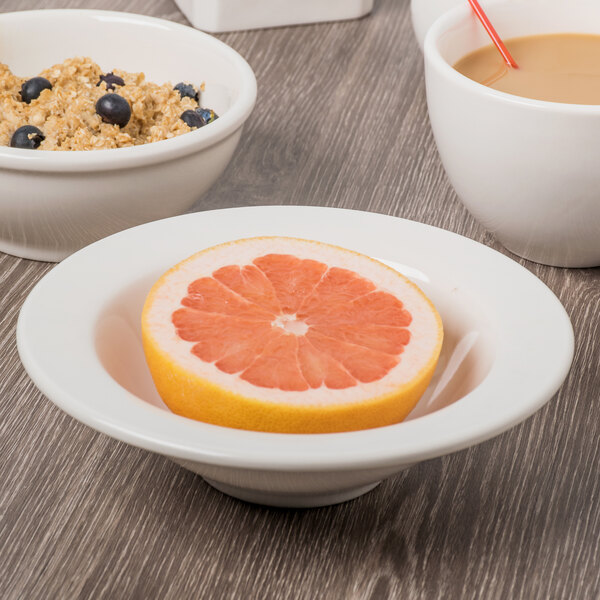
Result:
[[526, 169], [508, 346], [53, 203], [230, 15]]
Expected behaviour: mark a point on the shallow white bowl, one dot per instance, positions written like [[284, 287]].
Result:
[[508, 346], [53, 203], [526, 169]]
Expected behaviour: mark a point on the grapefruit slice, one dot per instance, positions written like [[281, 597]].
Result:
[[292, 336]]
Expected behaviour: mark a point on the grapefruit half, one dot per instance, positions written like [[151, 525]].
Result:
[[291, 336]]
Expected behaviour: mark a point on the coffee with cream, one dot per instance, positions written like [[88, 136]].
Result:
[[562, 67]]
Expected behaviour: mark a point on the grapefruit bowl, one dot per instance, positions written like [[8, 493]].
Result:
[[508, 346]]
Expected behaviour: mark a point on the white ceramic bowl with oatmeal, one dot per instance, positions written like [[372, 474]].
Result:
[[87, 178]]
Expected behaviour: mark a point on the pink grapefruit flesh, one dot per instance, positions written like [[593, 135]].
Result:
[[291, 336]]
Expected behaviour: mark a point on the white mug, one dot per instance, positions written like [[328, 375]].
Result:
[[528, 170]]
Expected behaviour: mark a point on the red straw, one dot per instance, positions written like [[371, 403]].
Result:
[[510, 61]]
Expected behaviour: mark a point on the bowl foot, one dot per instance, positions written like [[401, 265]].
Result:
[[291, 500]]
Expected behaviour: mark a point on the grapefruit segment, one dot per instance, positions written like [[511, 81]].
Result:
[[287, 335], [362, 363], [210, 296], [278, 366], [219, 337], [337, 287], [320, 369], [292, 278], [390, 340], [251, 284]]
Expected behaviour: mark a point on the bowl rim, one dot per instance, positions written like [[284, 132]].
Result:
[[491, 408], [435, 60], [146, 154]]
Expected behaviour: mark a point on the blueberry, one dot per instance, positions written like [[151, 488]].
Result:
[[28, 136], [114, 109], [198, 117], [207, 115], [192, 119], [32, 88], [187, 90], [110, 79]]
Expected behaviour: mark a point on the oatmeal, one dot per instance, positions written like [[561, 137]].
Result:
[[77, 106]]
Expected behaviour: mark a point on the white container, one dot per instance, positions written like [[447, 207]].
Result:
[[508, 345], [526, 169], [53, 203], [231, 15]]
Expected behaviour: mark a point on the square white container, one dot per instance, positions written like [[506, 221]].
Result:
[[230, 15]]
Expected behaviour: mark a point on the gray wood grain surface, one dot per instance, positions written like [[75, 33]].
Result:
[[341, 121]]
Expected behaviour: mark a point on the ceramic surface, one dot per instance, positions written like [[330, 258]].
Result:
[[229, 15], [526, 169], [425, 12], [53, 203], [508, 346]]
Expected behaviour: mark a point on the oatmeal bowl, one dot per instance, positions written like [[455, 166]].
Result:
[[110, 120]]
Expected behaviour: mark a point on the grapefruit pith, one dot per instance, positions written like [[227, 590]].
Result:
[[292, 336]]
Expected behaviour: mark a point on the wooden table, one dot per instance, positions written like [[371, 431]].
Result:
[[341, 121]]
